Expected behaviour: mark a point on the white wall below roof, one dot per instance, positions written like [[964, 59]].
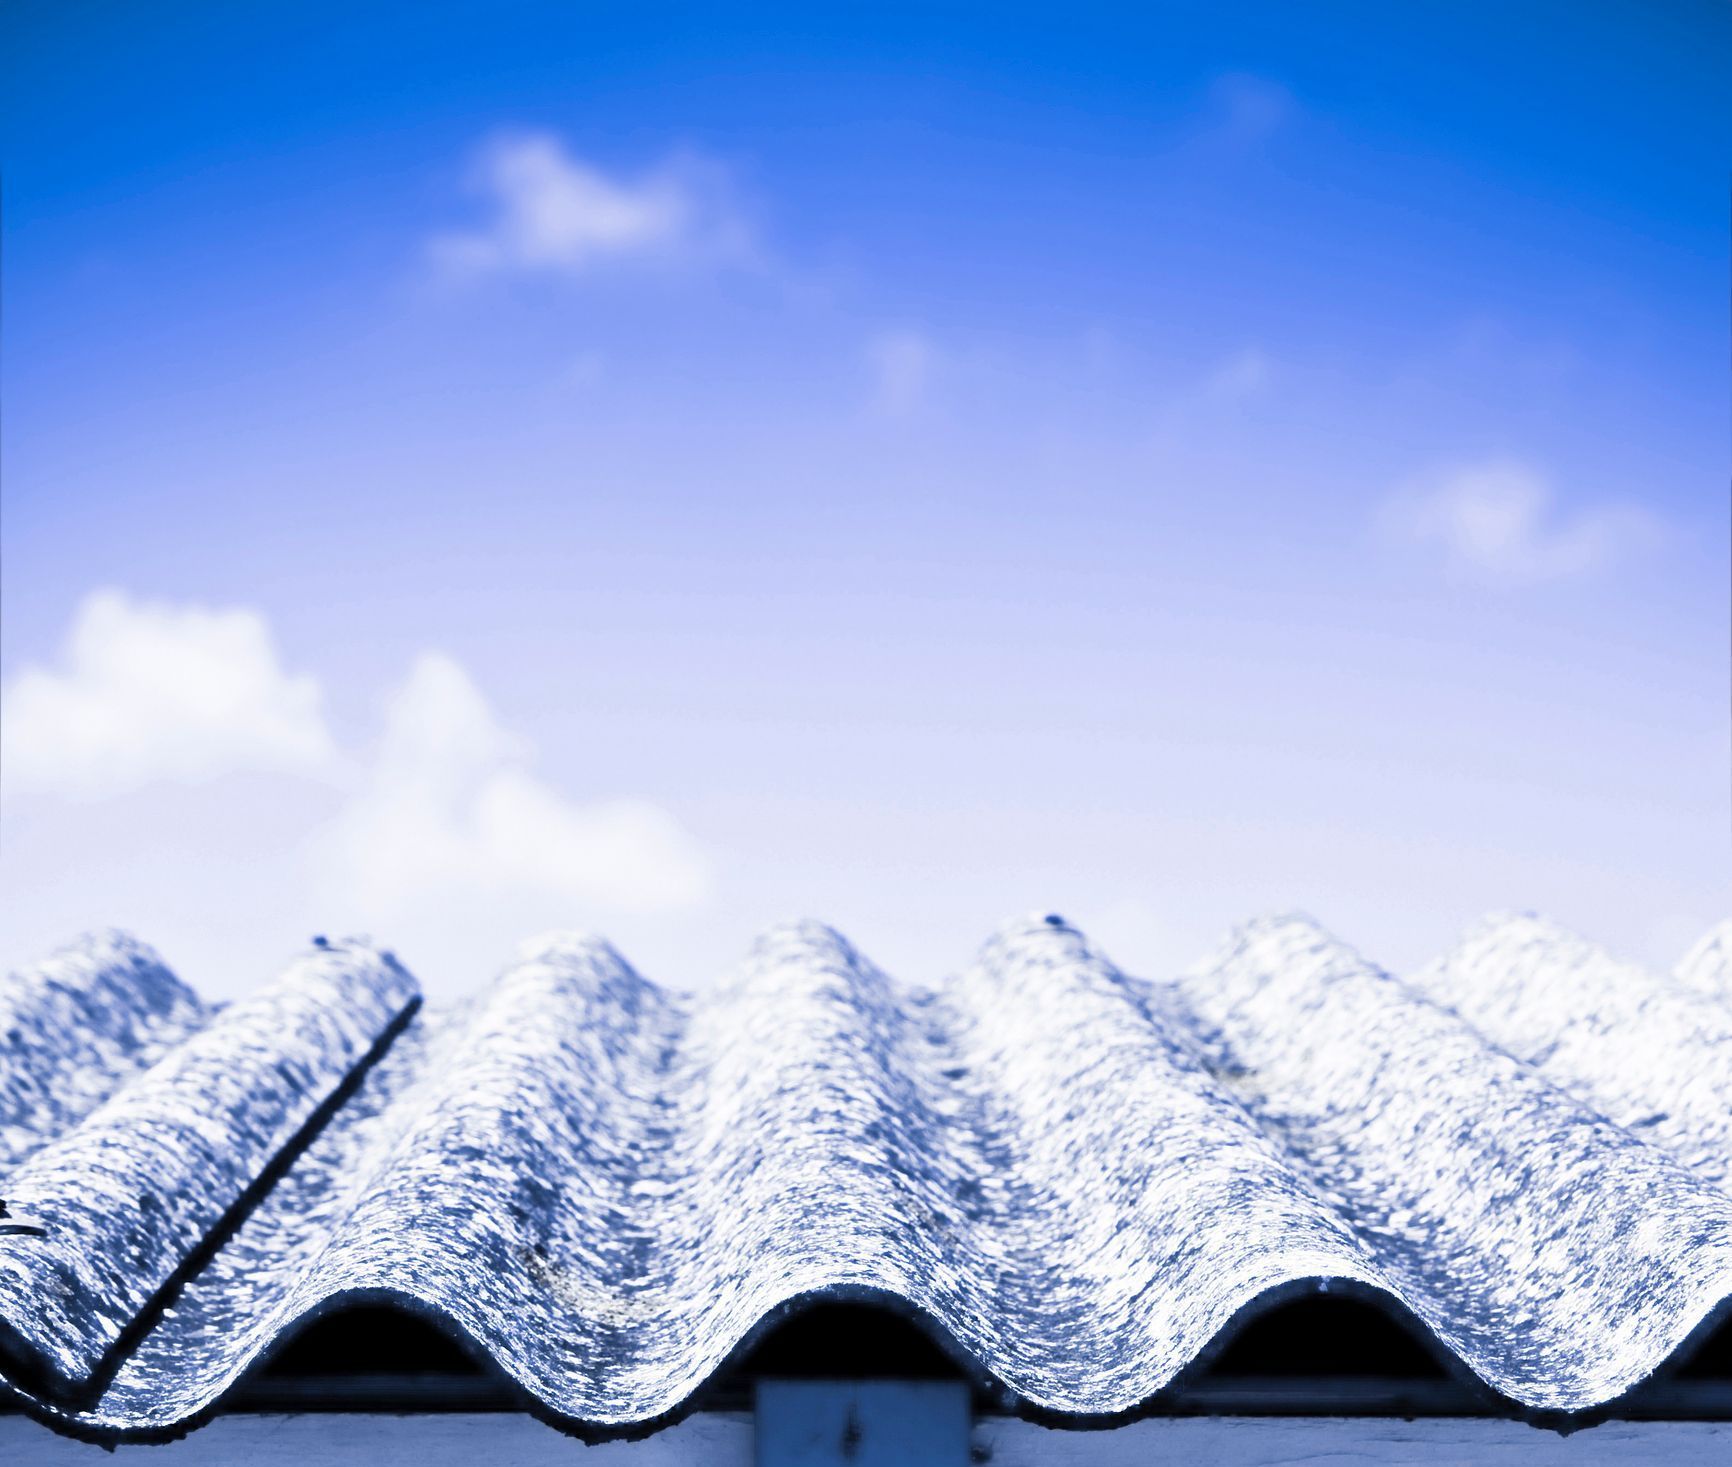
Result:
[[725, 1439]]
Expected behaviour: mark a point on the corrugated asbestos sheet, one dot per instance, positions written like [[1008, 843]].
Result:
[[1078, 1177]]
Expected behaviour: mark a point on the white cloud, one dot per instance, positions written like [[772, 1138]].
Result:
[[1242, 375], [450, 822], [147, 692], [586, 370], [440, 838], [1247, 109], [900, 363], [1217, 396], [547, 210], [1500, 521]]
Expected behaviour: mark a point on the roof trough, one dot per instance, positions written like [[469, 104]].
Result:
[[1081, 1182]]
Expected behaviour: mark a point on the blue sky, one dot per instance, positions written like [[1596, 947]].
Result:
[[475, 469]]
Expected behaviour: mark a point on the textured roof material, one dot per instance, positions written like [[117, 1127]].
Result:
[[1078, 1177]]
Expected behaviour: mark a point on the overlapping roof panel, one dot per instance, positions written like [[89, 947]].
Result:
[[1080, 1178]]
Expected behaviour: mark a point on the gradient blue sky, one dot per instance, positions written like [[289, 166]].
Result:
[[1157, 466]]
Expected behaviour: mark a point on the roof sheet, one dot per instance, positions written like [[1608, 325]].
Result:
[[1077, 1176]]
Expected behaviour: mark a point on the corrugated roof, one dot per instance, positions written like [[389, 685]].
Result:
[[1079, 1177]]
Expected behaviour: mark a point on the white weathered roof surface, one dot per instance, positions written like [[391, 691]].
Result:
[[1079, 1177]]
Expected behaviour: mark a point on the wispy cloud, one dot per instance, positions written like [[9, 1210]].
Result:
[[451, 818], [1501, 521], [900, 364], [547, 210], [1221, 392], [1247, 109], [1243, 374], [145, 692], [443, 819]]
